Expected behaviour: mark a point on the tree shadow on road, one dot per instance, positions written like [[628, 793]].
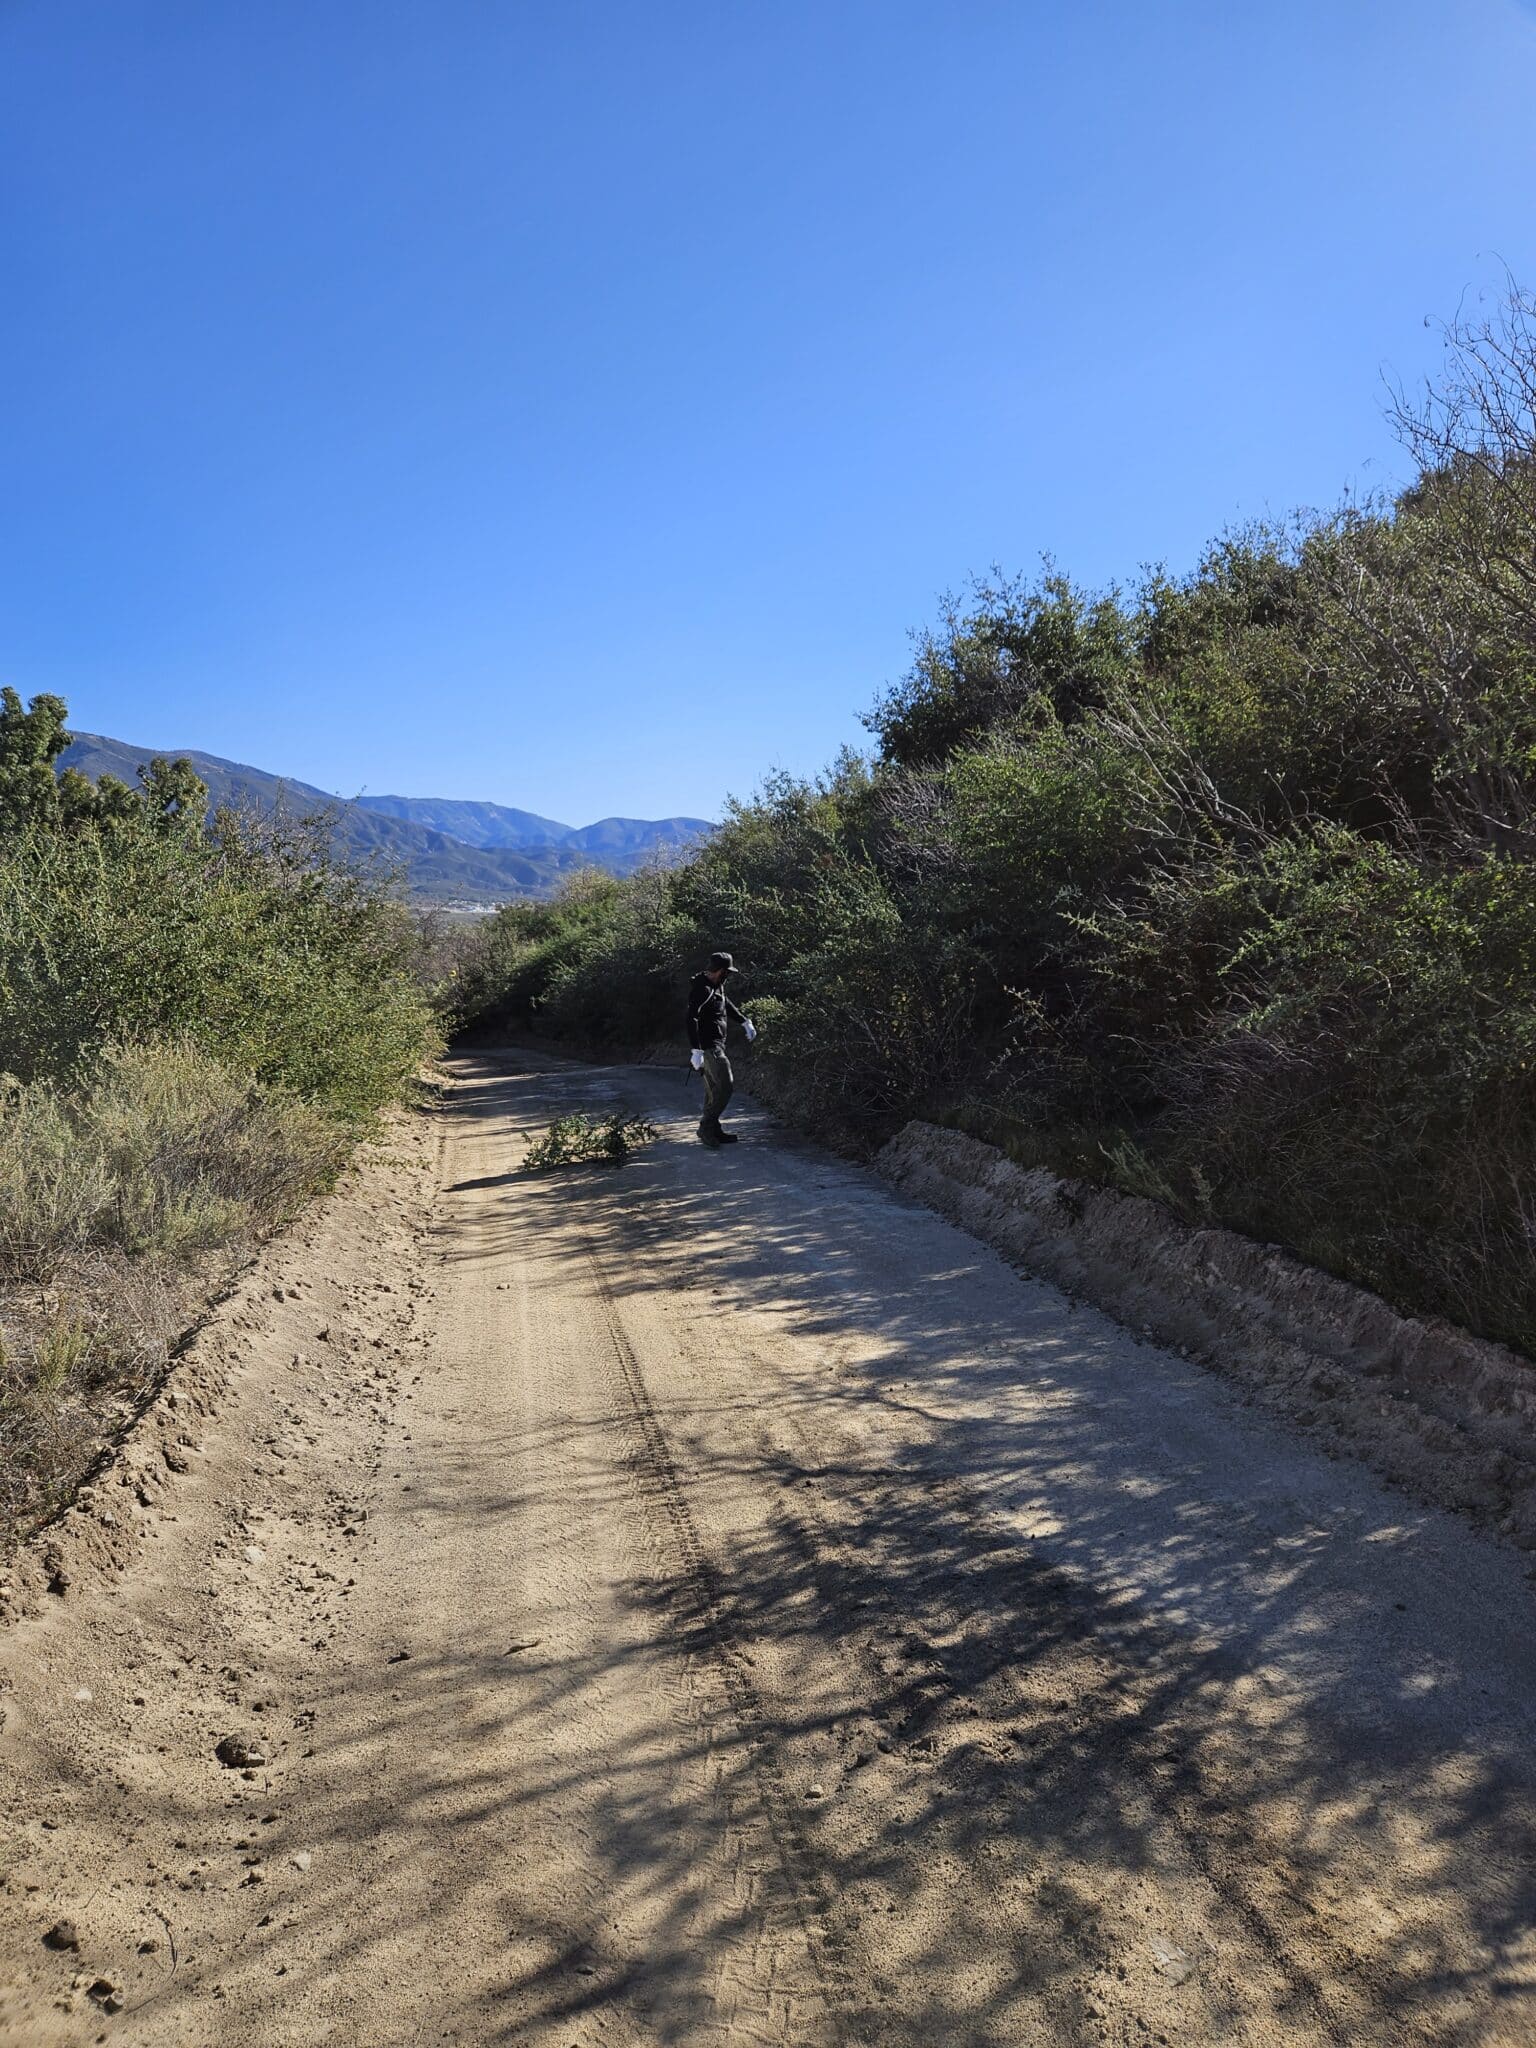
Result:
[[1004, 1681]]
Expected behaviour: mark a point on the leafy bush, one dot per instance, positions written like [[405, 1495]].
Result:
[[1223, 889], [244, 939], [582, 1140], [196, 1017], [1014, 651]]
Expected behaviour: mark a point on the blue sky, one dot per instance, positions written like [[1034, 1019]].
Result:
[[576, 402]]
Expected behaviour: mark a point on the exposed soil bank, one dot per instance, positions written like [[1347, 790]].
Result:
[[1449, 1417]]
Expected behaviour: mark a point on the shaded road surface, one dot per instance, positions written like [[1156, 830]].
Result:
[[758, 1614]]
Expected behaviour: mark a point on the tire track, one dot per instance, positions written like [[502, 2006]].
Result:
[[664, 1501]]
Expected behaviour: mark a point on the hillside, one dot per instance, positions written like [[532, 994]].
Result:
[[620, 844], [623, 843], [452, 852], [473, 824]]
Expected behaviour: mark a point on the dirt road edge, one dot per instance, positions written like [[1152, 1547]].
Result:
[[1448, 1417], [96, 1536]]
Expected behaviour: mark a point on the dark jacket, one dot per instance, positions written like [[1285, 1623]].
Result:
[[709, 1012]]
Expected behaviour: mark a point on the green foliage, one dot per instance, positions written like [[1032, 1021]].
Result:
[[34, 798], [245, 939], [52, 1194], [64, 1348], [583, 1140], [1225, 891], [196, 1017], [125, 1194], [1012, 655], [31, 740]]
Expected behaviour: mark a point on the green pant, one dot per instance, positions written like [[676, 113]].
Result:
[[719, 1086]]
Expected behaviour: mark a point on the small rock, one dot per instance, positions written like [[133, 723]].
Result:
[[254, 1554], [62, 1934], [1175, 1963], [112, 2002], [302, 1860], [84, 1695], [240, 1752], [815, 1791]]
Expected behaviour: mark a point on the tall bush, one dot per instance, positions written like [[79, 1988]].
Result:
[[1223, 887]]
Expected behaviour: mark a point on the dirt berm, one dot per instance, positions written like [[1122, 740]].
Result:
[[1449, 1417]]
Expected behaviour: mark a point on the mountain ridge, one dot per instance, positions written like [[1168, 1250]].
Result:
[[439, 866], [493, 825]]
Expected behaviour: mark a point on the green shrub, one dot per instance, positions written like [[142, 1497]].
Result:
[[124, 1195], [246, 941], [1012, 650], [199, 1154], [1224, 891], [196, 1017], [582, 1140]]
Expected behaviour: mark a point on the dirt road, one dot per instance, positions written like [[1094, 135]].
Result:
[[718, 1601]]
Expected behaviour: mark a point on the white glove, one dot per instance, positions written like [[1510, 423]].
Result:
[[696, 1059], [751, 1030]]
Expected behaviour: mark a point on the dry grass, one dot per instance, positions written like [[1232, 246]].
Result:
[[125, 1202], [77, 1358]]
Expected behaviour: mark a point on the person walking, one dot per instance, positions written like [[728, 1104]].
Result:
[[710, 1011]]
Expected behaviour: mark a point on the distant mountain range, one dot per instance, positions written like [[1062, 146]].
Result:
[[453, 852]]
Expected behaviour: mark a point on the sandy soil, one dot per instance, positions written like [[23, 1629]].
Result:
[[1448, 1417], [722, 1601]]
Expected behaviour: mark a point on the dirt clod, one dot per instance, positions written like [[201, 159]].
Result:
[[241, 1752]]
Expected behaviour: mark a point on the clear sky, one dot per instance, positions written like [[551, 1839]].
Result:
[[575, 403]]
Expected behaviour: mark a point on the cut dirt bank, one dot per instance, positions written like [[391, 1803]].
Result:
[[722, 1601], [1449, 1417]]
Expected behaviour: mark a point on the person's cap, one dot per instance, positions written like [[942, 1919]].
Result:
[[723, 960]]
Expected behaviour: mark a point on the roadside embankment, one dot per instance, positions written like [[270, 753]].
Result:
[[164, 1640], [1449, 1417]]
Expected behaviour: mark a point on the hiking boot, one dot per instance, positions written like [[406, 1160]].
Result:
[[709, 1136], [727, 1138]]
